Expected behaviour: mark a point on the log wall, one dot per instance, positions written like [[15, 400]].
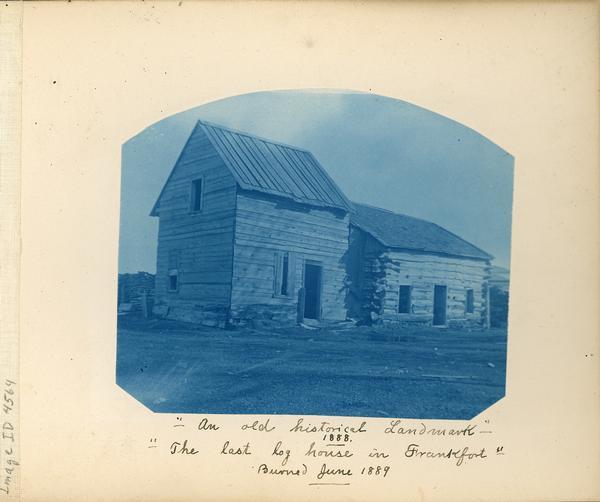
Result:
[[265, 228], [383, 271]]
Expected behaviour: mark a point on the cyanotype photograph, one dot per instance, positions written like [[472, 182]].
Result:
[[314, 253]]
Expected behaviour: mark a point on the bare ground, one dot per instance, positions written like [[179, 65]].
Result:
[[338, 370]]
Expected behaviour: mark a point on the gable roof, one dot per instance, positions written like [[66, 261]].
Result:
[[399, 231], [274, 168]]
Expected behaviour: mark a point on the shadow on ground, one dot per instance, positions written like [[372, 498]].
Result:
[[348, 371]]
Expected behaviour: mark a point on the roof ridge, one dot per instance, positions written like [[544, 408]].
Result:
[[208, 123]]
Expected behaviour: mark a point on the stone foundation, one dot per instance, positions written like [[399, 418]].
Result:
[[259, 315], [206, 315], [412, 321]]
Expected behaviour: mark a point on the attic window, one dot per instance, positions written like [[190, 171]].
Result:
[[404, 300], [470, 307], [196, 195]]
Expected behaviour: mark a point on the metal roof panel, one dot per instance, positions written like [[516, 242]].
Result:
[[275, 168]]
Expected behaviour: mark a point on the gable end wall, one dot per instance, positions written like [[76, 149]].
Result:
[[199, 245]]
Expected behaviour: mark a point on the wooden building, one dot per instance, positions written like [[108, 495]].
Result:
[[254, 231], [136, 292], [410, 271], [249, 230]]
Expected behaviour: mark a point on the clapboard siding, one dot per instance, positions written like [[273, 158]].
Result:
[[377, 272], [267, 225], [201, 243]]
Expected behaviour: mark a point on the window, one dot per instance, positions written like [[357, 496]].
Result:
[[173, 273], [173, 280], [284, 274], [470, 307], [196, 200], [404, 300]]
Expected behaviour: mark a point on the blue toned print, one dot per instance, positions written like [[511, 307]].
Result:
[[350, 251]]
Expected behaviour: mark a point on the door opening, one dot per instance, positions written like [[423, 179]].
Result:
[[312, 290], [439, 305]]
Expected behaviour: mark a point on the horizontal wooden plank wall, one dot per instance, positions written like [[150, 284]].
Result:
[[199, 245], [385, 270], [267, 225]]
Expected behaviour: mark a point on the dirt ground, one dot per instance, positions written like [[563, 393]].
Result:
[[342, 370]]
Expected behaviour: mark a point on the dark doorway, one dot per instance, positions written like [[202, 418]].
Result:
[[439, 305], [312, 291]]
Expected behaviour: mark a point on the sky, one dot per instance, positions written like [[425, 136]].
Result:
[[380, 151]]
